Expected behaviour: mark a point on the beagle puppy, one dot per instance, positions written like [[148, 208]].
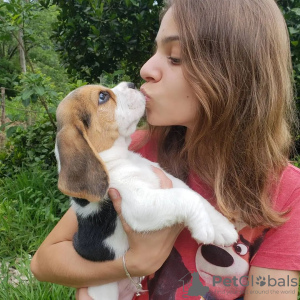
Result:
[[94, 128]]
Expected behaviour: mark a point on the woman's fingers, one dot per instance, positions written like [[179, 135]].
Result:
[[117, 200], [82, 294]]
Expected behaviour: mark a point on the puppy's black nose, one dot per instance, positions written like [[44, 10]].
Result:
[[131, 85]]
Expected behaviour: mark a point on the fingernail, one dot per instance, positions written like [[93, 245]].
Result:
[[114, 194]]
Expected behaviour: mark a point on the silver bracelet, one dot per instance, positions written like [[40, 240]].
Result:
[[138, 285]]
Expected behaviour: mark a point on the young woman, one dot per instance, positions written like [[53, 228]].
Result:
[[220, 109]]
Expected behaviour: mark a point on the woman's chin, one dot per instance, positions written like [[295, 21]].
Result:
[[155, 120]]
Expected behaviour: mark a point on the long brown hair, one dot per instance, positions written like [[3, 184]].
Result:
[[236, 57]]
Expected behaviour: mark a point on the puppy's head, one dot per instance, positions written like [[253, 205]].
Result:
[[130, 107], [89, 120]]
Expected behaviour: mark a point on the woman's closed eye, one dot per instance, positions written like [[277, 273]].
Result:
[[174, 60]]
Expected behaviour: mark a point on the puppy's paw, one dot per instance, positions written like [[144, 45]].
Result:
[[225, 234], [202, 230]]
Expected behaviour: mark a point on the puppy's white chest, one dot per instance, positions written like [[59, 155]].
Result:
[[132, 172]]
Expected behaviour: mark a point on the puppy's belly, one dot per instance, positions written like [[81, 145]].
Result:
[[93, 230]]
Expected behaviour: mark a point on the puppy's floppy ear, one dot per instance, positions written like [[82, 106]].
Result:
[[82, 172]]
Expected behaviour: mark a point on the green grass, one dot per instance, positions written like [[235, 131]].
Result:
[[30, 289], [30, 207]]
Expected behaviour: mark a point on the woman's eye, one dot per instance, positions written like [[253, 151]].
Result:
[[174, 60], [103, 97]]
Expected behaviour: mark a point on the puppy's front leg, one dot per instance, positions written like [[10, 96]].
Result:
[[153, 209]]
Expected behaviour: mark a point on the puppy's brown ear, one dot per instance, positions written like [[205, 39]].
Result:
[[82, 172]]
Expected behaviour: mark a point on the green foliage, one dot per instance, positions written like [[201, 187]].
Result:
[[32, 86], [28, 199], [296, 161], [41, 50], [35, 23], [13, 16], [110, 79], [9, 63], [10, 71], [291, 12], [30, 289], [28, 148], [77, 84], [13, 113], [30, 207], [103, 36]]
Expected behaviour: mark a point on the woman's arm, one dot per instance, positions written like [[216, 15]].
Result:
[[287, 289], [57, 261]]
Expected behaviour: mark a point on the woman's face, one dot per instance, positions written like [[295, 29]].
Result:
[[170, 99]]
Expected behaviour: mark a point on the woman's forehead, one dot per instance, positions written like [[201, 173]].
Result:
[[168, 31]]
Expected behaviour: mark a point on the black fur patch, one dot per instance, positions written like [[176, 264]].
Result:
[[81, 202], [93, 230]]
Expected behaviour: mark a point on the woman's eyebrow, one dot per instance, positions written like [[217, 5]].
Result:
[[168, 39]]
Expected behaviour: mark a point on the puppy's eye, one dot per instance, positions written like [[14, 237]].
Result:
[[103, 97]]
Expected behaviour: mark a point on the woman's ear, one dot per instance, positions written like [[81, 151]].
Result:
[[82, 172]]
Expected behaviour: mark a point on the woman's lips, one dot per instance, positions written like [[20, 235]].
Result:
[[147, 97]]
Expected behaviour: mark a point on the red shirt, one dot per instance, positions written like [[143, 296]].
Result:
[[194, 270]]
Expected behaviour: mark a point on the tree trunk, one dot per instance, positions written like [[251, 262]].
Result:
[[22, 52], [3, 108]]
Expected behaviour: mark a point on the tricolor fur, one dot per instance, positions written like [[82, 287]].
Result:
[[94, 128]]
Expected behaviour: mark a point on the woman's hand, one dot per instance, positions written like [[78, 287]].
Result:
[[82, 294], [147, 251]]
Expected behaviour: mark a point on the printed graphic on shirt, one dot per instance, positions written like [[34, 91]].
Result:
[[171, 276], [224, 270], [221, 272]]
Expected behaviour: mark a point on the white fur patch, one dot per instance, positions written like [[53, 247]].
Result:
[[118, 241], [57, 157], [88, 210]]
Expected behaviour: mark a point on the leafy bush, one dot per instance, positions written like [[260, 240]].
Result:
[[9, 74], [95, 38], [28, 148], [32, 86]]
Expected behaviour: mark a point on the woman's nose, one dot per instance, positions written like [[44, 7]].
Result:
[[150, 71]]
